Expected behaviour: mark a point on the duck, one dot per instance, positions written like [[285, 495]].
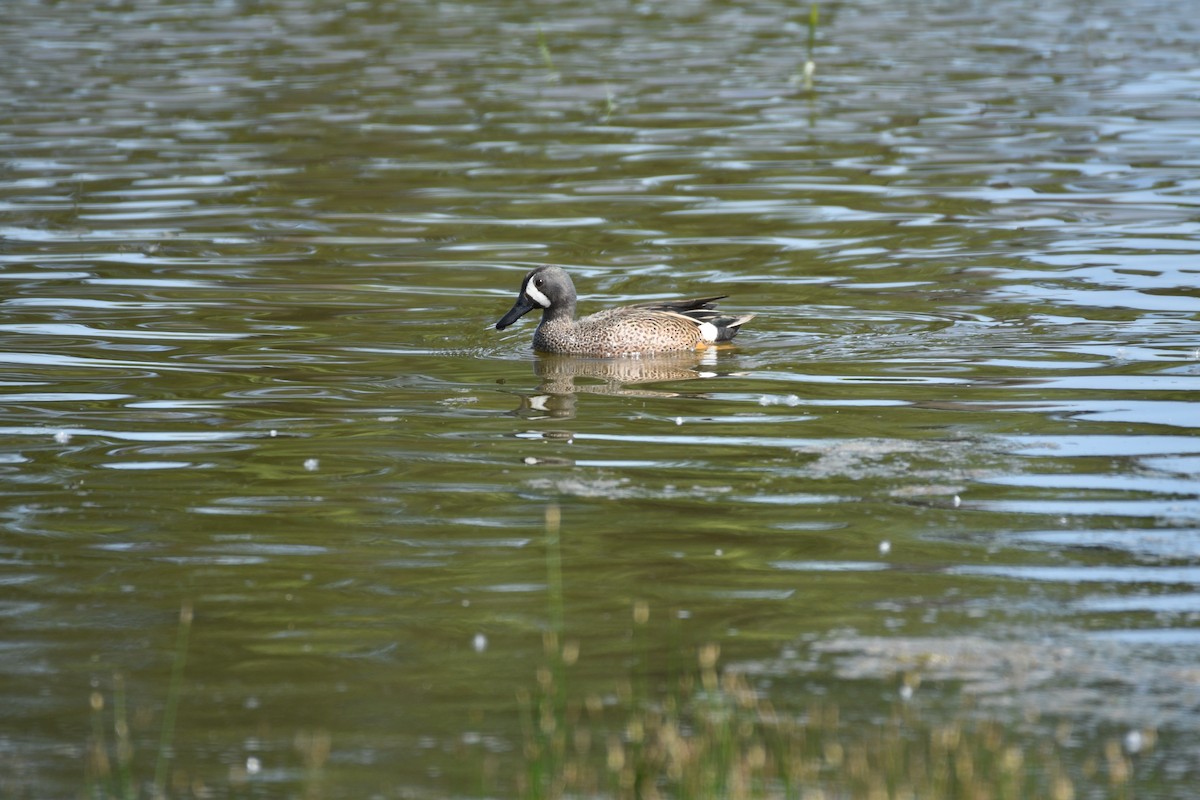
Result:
[[644, 329]]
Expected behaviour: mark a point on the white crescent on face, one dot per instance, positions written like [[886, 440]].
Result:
[[536, 295]]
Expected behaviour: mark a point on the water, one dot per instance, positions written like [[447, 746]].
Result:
[[251, 256]]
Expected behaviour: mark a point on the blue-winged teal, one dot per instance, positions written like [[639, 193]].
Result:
[[659, 327]]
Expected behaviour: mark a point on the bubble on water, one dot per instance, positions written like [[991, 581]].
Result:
[[790, 401], [62, 437], [885, 547], [272, 433], [957, 501], [480, 643], [679, 420], [253, 765], [906, 692], [311, 464], [1133, 742]]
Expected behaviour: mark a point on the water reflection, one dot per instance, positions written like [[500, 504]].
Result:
[[563, 378]]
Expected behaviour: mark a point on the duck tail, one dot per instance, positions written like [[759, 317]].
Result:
[[727, 327]]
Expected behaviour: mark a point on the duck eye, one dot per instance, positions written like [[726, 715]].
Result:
[[537, 282]]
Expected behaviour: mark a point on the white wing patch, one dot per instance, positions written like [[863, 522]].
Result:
[[536, 295]]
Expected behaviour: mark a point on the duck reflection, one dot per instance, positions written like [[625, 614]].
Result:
[[566, 377]]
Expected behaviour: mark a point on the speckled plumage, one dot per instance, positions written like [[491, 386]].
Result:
[[647, 328]]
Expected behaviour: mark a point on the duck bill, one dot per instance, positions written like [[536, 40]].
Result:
[[520, 308]]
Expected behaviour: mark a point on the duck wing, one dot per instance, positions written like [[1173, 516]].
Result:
[[702, 311], [690, 308]]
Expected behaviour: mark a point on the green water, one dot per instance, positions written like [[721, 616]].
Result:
[[252, 254]]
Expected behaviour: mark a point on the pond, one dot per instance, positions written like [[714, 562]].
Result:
[[284, 515]]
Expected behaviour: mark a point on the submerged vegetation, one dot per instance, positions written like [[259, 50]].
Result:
[[709, 732], [109, 767], [704, 731], [547, 59], [804, 76], [712, 734]]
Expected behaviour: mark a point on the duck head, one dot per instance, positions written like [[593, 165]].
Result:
[[548, 288]]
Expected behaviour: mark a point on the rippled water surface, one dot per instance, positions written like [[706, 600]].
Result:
[[251, 254]]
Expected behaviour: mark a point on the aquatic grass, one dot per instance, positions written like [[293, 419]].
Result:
[[810, 64], [610, 104], [554, 76], [124, 743], [174, 690], [101, 777], [712, 734], [544, 718], [547, 60], [98, 765], [805, 77]]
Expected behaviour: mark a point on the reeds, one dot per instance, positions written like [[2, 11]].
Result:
[[804, 76], [547, 59], [109, 769], [714, 735]]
